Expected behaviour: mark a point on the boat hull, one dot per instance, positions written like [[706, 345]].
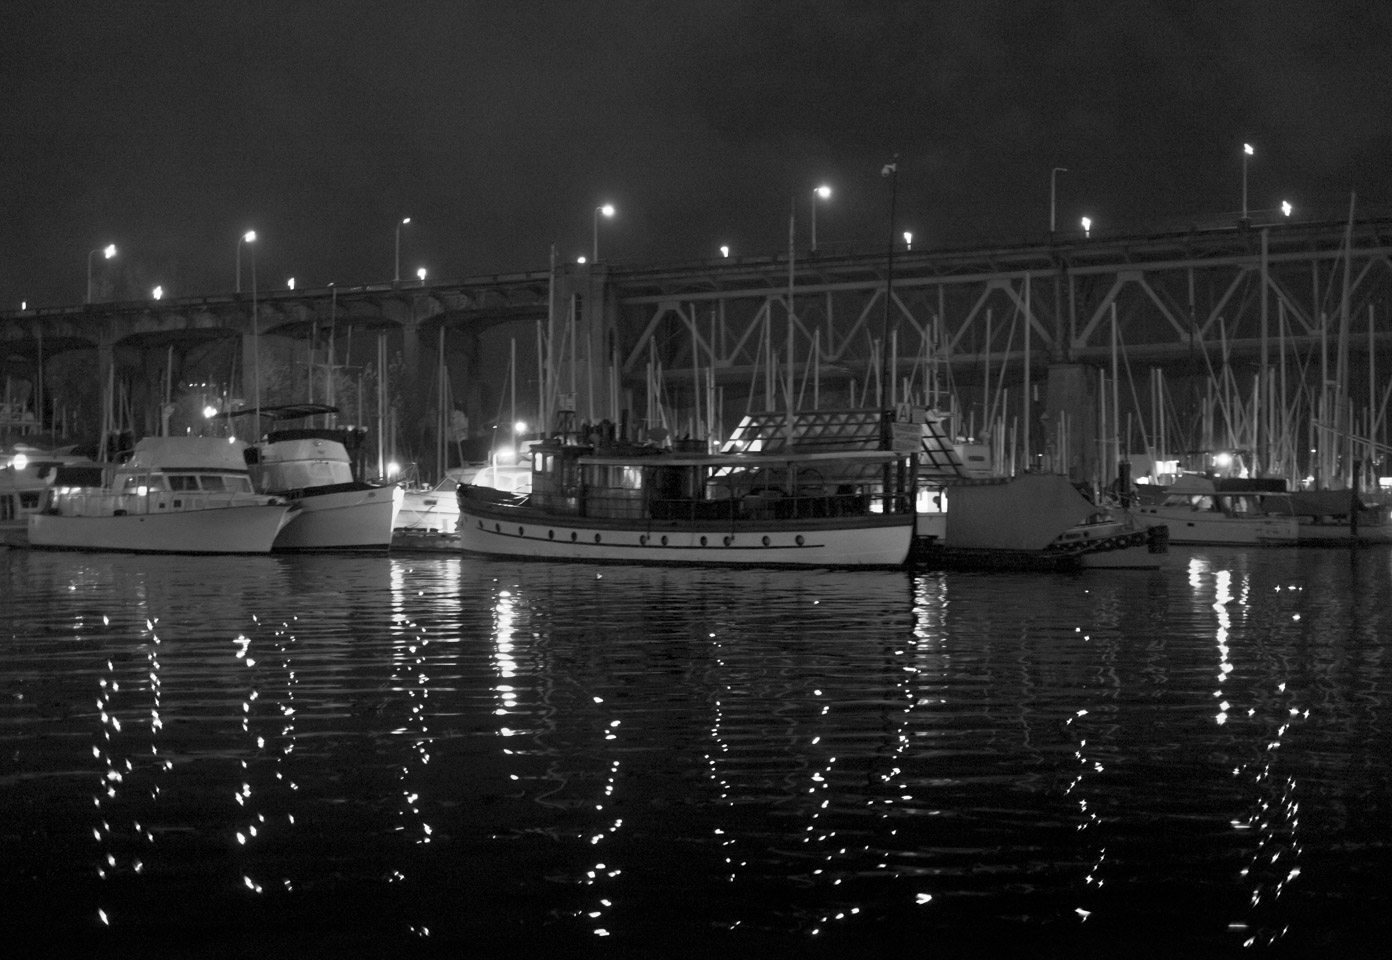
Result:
[[220, 530], [355, 519], [880, 541]]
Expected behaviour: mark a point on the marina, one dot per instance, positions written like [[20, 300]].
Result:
[[624, 481]]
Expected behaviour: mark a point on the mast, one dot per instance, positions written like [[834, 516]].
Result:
[[890, 170]]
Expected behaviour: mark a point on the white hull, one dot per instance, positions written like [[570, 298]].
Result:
[[237, 529], [342, 520], [1206, 527], [430, 511], [515, 532]]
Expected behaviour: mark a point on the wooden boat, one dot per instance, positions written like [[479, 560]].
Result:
[[174, 495], [834, 497]]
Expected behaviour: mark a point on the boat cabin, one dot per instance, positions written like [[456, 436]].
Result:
[[639, 482]]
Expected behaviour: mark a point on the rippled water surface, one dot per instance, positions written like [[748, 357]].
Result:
[[450, 756]]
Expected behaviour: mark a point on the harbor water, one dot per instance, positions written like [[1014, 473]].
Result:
[[450, 756]]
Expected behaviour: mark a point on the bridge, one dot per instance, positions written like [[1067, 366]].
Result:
[[1197, 337]]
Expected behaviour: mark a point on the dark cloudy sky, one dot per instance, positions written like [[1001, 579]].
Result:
[[169, 127]]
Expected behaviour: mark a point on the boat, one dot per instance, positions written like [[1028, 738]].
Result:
[[1332, 518], [19, 497], [434, 510], [835, 495], [1031, 521], [25, 475], [968, 518], [310, 467], [174, 495], [1222, 511]]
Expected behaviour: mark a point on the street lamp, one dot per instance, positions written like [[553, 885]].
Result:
[[823, 192], [1286, 207], [108, 252], [1053, 195], [724, 251], [608, 211], [159, 293], [1087, 226], [404, 221], [420, 274], [248, 237], [1247, 151], [908, 239]]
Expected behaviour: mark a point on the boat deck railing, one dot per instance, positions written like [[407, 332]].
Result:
[[123, 504]]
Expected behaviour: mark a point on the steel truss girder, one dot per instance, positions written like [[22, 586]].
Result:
[[1170, 297]]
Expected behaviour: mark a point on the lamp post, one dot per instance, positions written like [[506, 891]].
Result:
[[420, 275], [404, 220], [1053, 196], [908, 239], [608, 211], [824, 193], [108, 252], [158, 293], [1247, 151], [1087, 226], [248, 237]]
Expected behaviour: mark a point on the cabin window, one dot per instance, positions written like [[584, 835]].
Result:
[[179, 482]]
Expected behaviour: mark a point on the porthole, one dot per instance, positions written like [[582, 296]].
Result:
[[703, 541], [497, 528], [766, 541], [799, 540], [573, 536], [550, 534], [480, 524], [521, 531], [664, 539], [729, 540], [596, 538], [643, 540]]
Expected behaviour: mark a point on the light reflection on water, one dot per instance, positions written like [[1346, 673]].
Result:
[[355, 753]]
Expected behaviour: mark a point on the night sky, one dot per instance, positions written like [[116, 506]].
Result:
[[170, 128]]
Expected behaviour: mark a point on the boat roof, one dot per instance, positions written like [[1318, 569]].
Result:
[[285, 411], [738, 459], [187, 453]]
